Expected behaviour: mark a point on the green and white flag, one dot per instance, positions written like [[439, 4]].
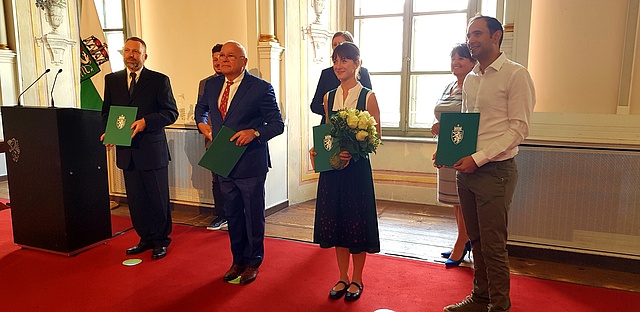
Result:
[[94, 57]]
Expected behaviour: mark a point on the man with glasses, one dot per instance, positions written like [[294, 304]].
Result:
[[247, 105]]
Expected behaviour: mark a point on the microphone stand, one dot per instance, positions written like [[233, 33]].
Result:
[[25, 90], [54, 85]]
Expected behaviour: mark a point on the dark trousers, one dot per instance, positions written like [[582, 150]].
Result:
[[244, 205], [218, 209], [485, 196], [148, 197]]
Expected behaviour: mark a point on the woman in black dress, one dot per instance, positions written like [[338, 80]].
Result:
[[346, 216]]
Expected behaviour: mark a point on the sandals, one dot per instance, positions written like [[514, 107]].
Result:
[[353, 296], [337, 294]]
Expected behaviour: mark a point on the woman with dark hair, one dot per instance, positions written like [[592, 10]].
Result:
[[346, 217], [328, 80], [451, 101]]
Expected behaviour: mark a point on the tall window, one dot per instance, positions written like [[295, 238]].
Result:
[[405, 45], [111, 16]]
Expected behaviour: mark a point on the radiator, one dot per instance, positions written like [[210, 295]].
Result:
[[582, 199], [188, 182]]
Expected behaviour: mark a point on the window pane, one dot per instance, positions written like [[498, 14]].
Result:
[[433, 38], [113, 13], [375, 7], [387, 90], [425, 92], [380, 43], [115, 43], [433, 6], [100, 9]]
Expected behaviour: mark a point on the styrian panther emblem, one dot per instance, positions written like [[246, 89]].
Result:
[[121, 122], [328, 142], [14, 149], [457, 134]]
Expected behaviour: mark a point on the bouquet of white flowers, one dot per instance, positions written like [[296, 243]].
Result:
[[354, 130]]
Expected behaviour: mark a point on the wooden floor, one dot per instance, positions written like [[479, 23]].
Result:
[[415, 231]]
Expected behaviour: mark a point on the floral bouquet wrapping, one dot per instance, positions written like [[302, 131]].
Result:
[[354, 130]]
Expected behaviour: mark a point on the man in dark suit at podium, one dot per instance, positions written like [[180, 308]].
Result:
[[247, 105], [144, 163]]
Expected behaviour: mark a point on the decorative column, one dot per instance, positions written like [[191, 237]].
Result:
[[3, 29], [267, 32], [269, 50]]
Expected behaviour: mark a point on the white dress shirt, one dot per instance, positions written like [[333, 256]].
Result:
[[504, 96], [232, 89], [137, 75]]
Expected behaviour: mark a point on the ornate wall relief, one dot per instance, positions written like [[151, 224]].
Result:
[[54, 12]]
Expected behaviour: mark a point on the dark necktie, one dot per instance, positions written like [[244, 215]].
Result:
[[132, 84], [225, 100]]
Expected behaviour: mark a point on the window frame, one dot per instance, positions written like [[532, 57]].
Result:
[[403, 130], [125, 32]]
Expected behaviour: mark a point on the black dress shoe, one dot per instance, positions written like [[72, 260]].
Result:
[[140, 248], [337, 294], [349, 296], [248, 276], [233, 272], [159, 252]]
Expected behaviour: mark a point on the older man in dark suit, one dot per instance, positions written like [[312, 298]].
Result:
[[247, 105], [144, 163]]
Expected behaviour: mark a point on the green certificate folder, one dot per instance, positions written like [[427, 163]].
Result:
[[324, 147], [118, 131], [223, 154], [457, 137]]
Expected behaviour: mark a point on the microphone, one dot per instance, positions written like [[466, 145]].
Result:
[[54, 85], [25, 90]]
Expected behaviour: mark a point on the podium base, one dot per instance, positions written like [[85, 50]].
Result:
[[68, 254]]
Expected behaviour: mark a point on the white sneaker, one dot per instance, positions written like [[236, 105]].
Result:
[[217, 224]]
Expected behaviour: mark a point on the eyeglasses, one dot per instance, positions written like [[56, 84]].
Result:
[[230, 57]]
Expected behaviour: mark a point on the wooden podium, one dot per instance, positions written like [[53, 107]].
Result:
[[57, 172]]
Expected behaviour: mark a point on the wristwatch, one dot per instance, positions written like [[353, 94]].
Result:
[[256, 133]]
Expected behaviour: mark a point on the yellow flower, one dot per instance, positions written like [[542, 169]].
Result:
[[352, 121], [361, 135], [363, 122]]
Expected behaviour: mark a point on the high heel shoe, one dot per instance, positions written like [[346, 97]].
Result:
[[455, 263], [447, 254]]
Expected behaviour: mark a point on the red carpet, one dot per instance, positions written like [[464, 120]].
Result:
[[294, 277], [120, 224], [4, 203]]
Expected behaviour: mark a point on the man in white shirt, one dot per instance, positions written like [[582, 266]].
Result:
[[502, 92]]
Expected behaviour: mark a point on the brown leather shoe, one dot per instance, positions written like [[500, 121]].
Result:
[[467, 305], [248, 276], [233, 272]]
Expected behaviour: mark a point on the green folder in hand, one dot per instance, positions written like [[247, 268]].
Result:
[[457, 138], [324, 147], [118, 131], [223, 155]]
